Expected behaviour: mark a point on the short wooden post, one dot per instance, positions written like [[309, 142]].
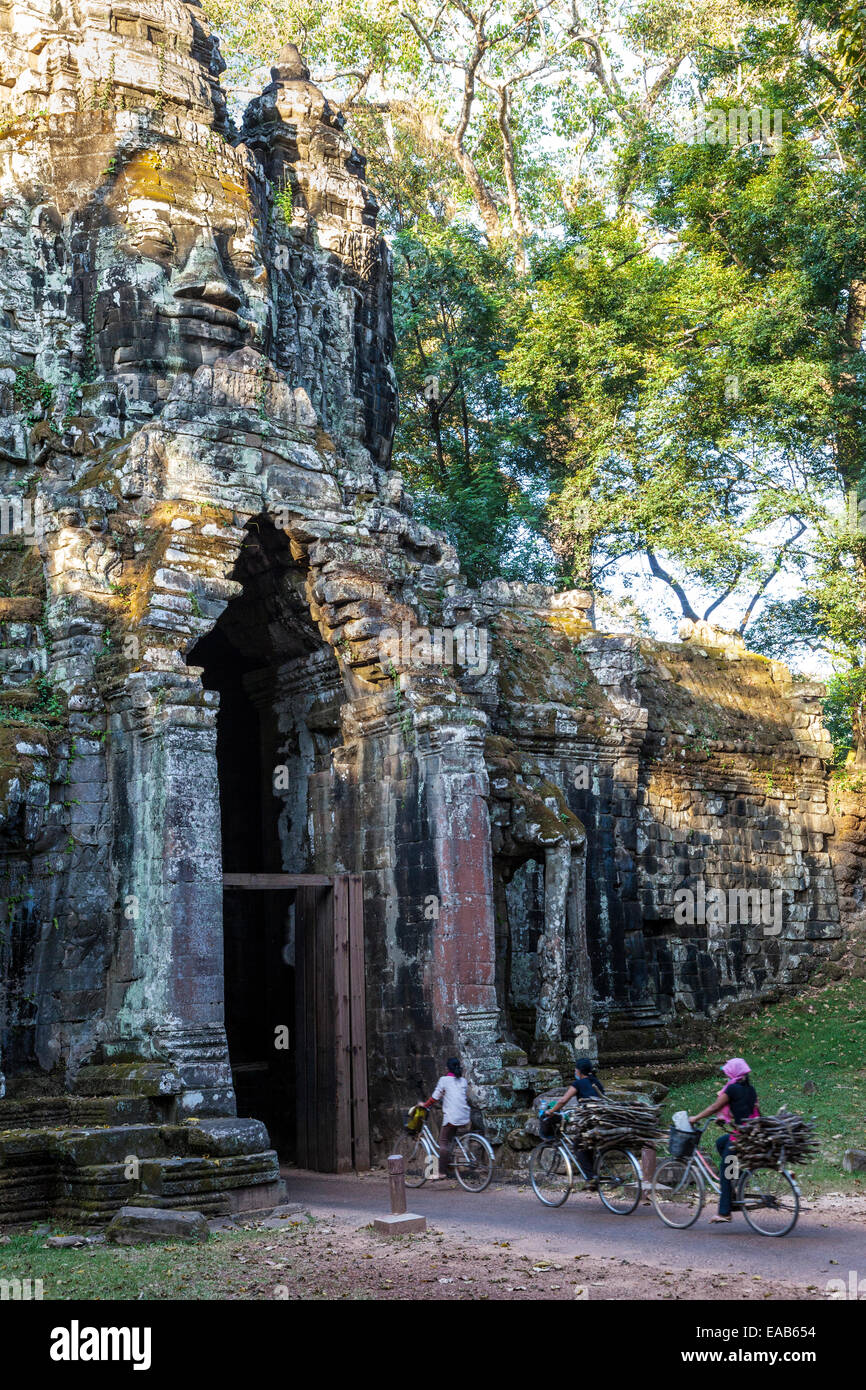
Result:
[[397, 1183], [400, 1222]]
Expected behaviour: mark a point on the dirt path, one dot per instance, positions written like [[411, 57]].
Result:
[[494, 1244], [334, 1259]]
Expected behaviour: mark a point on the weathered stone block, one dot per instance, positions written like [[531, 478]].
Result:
[[134, 1225], [227, 1136]]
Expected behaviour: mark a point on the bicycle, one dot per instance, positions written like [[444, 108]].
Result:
[[471, 1158], [769, 1198], [552, 1168]]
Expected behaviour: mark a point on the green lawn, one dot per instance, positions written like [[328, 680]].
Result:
[[820, 1037], [232, 1264]]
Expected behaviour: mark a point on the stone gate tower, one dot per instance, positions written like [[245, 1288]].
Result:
[[228, 647], [199, 402]]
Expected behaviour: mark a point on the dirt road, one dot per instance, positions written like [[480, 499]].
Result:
[[645, 1258]]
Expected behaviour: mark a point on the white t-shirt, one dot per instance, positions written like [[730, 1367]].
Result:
[[451, 1090]]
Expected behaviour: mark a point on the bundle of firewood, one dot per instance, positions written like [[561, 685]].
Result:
[[768, 1141], [607, 1124]]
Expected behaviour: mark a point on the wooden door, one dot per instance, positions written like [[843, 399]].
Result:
[[330, 1021]]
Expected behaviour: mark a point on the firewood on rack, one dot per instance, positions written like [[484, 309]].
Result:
[[605, 1124], [771, 1141]]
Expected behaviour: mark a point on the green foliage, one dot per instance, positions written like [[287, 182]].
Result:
[[466, 446], [47, 708], [73, 400], [846, 693], [91, 361], [282, 196], [33, 396], [650, 454], [107, 97]]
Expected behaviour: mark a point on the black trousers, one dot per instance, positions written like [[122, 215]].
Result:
[[586, 1159], [727, 1194]]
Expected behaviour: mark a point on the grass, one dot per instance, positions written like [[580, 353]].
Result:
[[819, 1037], [232, 1264]]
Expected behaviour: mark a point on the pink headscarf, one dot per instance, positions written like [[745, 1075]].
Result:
[[735, 1069]]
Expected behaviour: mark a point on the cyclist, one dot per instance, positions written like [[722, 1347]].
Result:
[[453, 1091], [585, 1086], [737, 1101]]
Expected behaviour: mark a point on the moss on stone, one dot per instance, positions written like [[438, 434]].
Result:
[[541, 661]]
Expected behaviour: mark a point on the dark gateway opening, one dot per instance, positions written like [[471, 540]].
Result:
[[278, 719]]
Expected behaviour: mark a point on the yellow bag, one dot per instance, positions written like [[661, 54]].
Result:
[[416, 1119]]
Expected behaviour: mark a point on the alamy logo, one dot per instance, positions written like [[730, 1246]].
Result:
[[23, 517], [464, 646], [856, 509], [77, 1343], [21, 1289], [855, 1289], [758, 906], [754, 125]]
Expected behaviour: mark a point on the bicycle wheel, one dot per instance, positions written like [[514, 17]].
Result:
[[473, 1162], [678, 1193], [414, 1155], [619, 1184], [769, 1200], [551, 1173]]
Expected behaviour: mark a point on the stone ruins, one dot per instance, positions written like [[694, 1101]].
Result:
[[228, 648]]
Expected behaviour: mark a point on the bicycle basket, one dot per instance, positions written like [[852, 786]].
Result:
[[415, 1119], [681, 1144], [549, 1126]]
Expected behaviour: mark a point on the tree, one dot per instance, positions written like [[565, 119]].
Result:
[[640, 346], [473, 457], [656, 456]]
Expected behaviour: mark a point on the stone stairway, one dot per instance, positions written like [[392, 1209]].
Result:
[[509, 1089], [638, 1041]]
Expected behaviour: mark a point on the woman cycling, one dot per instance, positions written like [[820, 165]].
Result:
[[586, 1086], [453, 1091], [737, 1101]]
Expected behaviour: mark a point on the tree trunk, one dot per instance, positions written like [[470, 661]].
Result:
[[850, 463]]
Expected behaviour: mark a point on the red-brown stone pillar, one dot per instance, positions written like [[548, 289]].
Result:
[[453, 774]]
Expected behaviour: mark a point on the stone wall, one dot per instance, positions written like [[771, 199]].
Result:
[[694, 766], [847, 847]]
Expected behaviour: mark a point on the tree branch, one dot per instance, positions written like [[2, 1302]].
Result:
[[747, 616], [659, 573]]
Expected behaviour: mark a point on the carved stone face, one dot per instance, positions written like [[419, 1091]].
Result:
[[172, 270]]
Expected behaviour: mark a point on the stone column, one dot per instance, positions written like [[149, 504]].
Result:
[[455, 787], [552, 962], [165, 992]]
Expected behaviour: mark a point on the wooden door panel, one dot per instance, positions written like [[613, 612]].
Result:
[[358, 1023], [330, 1020]]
